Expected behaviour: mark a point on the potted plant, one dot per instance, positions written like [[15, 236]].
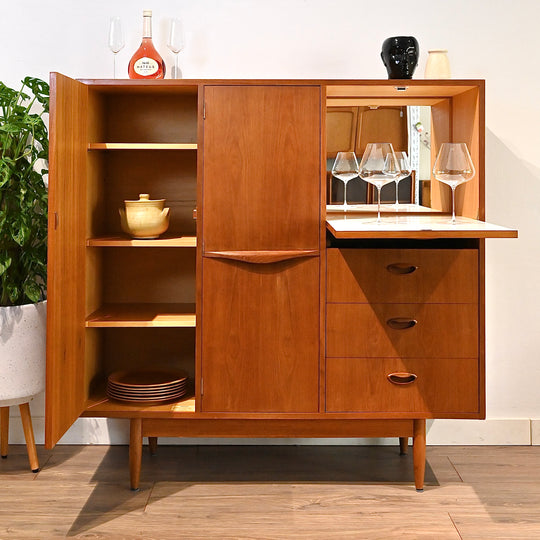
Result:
[[24, 147]]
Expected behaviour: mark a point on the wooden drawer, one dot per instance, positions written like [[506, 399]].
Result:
[[402, 275], [382, 330], [441, 385]]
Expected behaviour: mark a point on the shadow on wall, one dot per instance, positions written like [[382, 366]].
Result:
[[512, 284]]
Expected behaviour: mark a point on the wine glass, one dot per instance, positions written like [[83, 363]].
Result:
[[453, 166], [175, 42], [116, 39], [405, 168], [345, 168], [379, 166]]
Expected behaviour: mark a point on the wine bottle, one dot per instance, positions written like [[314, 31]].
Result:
[[146, 63]]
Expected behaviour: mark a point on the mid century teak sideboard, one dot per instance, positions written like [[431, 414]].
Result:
[[292, 320]]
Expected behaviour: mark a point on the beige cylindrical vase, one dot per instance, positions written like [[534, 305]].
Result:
[[438, 65]]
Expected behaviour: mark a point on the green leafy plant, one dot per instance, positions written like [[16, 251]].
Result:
[[24, 149]]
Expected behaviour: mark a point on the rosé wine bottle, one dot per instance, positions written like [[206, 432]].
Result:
[[146, 63]]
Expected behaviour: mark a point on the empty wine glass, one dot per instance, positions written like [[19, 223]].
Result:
[[379, 167], [175, 42], [116, 39], [405, 168], [345, 168], [453, 167]]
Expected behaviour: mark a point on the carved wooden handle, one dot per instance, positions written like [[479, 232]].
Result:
[[401, 268], [401, 323], [263, 256], [401, 378]]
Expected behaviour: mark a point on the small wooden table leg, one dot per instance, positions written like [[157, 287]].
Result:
[[4, 431], [152, 445], [135, 452], [419, 453], [403, 445], [29, 436]]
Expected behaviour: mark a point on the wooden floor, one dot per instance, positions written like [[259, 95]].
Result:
[[271, 492]]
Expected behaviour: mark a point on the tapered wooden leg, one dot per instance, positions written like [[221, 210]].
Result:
[[152, 445], [4, 431], [29, 436], [403, 445], [135, 452], [419, 453]]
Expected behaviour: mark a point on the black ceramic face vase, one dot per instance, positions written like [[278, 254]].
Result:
[[400, 56]]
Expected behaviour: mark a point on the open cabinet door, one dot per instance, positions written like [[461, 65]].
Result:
[[65, 392]]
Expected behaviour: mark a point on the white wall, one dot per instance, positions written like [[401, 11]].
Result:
[[491, 39]]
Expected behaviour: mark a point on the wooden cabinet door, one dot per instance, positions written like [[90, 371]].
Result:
[[65, 392], [261, 173], [260, 336], [260, 269]]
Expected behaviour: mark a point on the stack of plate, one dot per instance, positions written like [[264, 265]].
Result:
[[141, 386]]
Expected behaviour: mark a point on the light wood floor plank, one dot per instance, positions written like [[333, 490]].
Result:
[[271, 492]]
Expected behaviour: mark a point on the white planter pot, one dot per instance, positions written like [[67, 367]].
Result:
[[22, 352]]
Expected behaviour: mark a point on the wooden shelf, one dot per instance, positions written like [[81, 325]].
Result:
[[142, 146], [99, 404], [413, 226], [125, 241], [143, 316]]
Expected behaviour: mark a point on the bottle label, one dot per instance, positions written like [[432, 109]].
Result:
[[145, 66]]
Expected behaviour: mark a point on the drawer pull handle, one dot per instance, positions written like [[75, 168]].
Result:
[[401, 378], [401, 323], [401, 268]]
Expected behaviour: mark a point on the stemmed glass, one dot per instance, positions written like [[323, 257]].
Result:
[[116, 39], [345, 168], [453, 167], [175, 42], [379, 166], [405, 168]]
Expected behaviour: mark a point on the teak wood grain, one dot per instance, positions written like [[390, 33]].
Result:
[[260, 336], [443, 385], [261, 187], [65, 392], [402, 275], [364, 330]]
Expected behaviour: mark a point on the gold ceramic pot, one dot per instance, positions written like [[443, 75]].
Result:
[[145, 218]]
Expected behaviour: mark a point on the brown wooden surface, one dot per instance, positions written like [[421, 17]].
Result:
[[26, 420], [441, 331], [419, 453], [141, 146], [66, 392], [261, 187], [143, 315], [125, 241], [4, 431], [130, 117], [263, 256], [367, 275], [443, 385], [166, 175], [135, 452], [403, 445], [152, 445], [260, 327], [153, 275], [340, 130], [276, 428]]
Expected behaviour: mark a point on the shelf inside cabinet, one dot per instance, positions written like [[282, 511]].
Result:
[[143, 315], [99, 404], [125, 241], [142, 146]]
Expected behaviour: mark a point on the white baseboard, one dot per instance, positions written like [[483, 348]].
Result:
[[514, 431]]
